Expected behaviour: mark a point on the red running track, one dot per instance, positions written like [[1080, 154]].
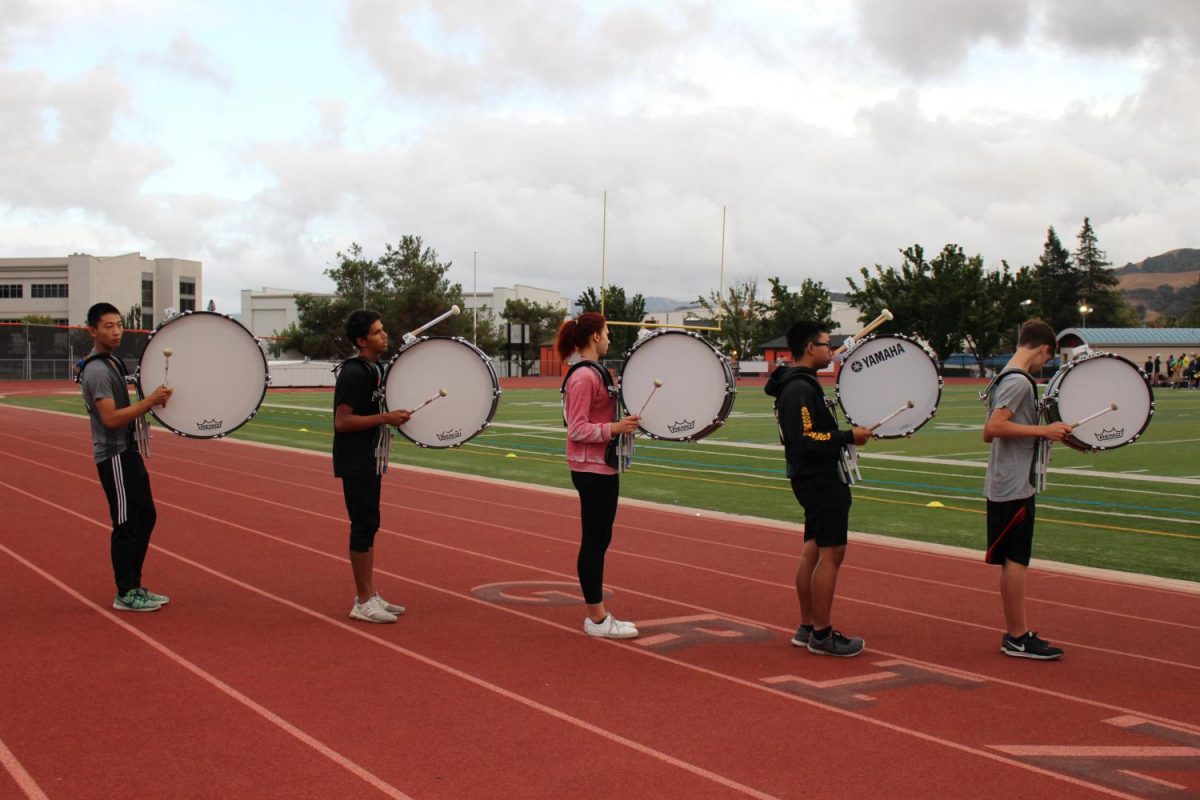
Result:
[[253, 682]]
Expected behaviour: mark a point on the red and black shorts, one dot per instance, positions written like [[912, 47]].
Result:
[[1010, 530]]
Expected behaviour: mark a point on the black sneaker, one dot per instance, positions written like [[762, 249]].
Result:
[[802, 636], [835, 644], [1029, 646]]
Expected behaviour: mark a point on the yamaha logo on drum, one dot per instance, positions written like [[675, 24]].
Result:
[[450, 435], [680, 427], [1110, 434], [878, 357], [211, 425]]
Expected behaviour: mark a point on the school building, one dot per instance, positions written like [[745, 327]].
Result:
[[63, 288]]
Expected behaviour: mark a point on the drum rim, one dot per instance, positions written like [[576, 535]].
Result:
[[937, 401], [491, 368], [137, 375], [726, 404], [1047, 401]]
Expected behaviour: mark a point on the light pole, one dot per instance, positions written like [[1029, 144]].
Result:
[[1084, 310]]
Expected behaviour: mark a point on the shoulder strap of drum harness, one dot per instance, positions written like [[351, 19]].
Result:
[[383, 445], [604, 376], [138, 431], [1041, 447], [619, 451]]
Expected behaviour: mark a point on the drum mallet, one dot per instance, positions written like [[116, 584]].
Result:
[[440, 393], [411, 336], [657, 384], [167, 353], [907, 405], [875, 323], [1100, 413]]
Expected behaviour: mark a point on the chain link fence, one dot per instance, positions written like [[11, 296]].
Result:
[[50, 352]]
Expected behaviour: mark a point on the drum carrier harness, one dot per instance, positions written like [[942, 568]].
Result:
[[618, 453], [848, 463], [137, 432], [1041, 447], [383, 447]]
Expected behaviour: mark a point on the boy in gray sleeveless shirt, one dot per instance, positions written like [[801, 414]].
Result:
[[118, 462], [1013, 431]]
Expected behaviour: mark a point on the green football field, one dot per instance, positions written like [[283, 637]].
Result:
[[1136, 508]]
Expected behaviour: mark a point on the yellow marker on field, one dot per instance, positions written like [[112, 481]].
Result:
[[934, 504], [304, 430], [511, 455]]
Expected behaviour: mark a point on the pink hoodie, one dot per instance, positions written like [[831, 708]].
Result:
[[589, 422]]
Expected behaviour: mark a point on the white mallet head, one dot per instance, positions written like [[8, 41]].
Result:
[[657, 383], [455, 310], [168, 352], [443, 392], [887, 314], [909, 404]]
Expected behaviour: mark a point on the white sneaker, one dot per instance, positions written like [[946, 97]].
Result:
[[391, 608], [610, 628], [372, 611]]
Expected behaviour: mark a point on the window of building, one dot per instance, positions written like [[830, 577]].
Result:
[[48, 290], [12, 290], [187, 294], [148, 320], [147, 292]]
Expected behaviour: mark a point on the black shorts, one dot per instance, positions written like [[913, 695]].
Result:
[[1010, 530], [362, 504], [826, 503]]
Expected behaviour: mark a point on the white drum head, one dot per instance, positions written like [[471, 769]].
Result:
[[472, 390], [1092, 383], [217, 369], [880, 376], [697, 385]]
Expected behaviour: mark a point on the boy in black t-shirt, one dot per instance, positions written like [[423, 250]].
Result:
[[360, 440]]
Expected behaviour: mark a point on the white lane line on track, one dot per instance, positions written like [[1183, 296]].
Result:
[[24, 780]]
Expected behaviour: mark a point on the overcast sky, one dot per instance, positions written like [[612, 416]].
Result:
[[261, 139]]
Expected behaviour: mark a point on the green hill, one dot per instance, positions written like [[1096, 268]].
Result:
[[1185, 259]]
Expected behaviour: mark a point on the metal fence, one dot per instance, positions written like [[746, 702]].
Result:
[[50, 352]]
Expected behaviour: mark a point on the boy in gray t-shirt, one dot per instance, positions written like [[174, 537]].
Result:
[[1013, 431], [118, 462]]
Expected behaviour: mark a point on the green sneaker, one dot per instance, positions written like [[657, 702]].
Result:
[[161, 599], [135, 600]]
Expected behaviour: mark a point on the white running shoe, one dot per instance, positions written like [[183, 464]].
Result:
[[372, 611], [610, 628], [391, 608]]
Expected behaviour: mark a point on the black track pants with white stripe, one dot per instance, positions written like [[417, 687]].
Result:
[[127, 486]]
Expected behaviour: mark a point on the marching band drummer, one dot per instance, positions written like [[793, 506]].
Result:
[[590, 411], [1012, 430], [813, 447], [114, 443], [360, 448]]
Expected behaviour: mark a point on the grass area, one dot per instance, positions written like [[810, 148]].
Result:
[[1112, 520]]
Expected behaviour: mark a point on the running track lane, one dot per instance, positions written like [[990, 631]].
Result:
[[439, 559]]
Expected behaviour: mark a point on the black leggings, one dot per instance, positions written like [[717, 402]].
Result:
[[598, 508]]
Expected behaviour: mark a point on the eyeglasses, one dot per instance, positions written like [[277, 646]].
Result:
[[820, 344]]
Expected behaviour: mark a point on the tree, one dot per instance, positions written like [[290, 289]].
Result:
[[812, 302], [617, 308], [407, 285], [948, 302], [133, 318], [740, 313], [1097, 285], [542, 320], [1057, 284]]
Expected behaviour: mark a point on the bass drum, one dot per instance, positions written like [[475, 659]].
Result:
[[217, 369], [697, 390], [880, 376], [433, 363], [1092, 383]]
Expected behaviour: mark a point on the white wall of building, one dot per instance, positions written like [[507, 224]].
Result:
[[269, 311]]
